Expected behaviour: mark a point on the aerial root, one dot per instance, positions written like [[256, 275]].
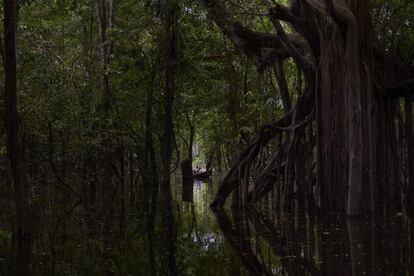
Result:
[[239, 171]]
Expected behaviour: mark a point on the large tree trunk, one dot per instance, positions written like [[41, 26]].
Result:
[[340, 124], [15, 146], [336, 49], [350, 132]]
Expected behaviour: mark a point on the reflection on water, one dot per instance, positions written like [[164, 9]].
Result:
[[248, 242], [253, 243], [201, 247]]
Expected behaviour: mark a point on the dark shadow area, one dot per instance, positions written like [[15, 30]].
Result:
[[330, 245]]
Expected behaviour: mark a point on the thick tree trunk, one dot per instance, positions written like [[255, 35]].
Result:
[[332, 123], [14, 144], [356, 154], [350, 132]]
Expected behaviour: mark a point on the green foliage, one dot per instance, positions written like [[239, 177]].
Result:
[[394, 23], [219, 92], [5, 236]]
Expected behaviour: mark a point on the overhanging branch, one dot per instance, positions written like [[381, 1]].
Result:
[[256, 45]]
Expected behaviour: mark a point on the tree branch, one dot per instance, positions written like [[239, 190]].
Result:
[[285, 13], [268, 132], [306, 65]]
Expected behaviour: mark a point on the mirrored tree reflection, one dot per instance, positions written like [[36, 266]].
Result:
[[330, 245]]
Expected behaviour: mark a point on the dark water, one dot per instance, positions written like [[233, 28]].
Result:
[[202, 249], [261, 243], [245, 242]]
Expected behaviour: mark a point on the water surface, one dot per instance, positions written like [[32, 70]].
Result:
[[252, 242], [68, 241]]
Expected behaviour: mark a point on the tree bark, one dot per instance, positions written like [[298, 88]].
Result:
[[187, 180], [105, 27], [169, 21], [150, 177], [409, 139], [283, 87], [14, 145], [356, 141]]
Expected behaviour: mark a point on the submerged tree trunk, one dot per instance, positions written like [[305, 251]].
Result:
[[340, 124], [350, 133], [187, 181], [14, 144], [187, 167], [169, 21]]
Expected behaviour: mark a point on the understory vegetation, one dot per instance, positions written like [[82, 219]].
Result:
[[293, 106]]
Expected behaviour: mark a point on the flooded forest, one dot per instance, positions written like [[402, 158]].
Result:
[[206, 137]]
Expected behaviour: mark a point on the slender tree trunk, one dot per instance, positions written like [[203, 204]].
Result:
[[411, 246], [131, 177], [191, 141], [122, 215], [186, 167], [14, 144], [283, 87], [409, 138], [170, 21], [105, 25], [150, 177], [153, 207]]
